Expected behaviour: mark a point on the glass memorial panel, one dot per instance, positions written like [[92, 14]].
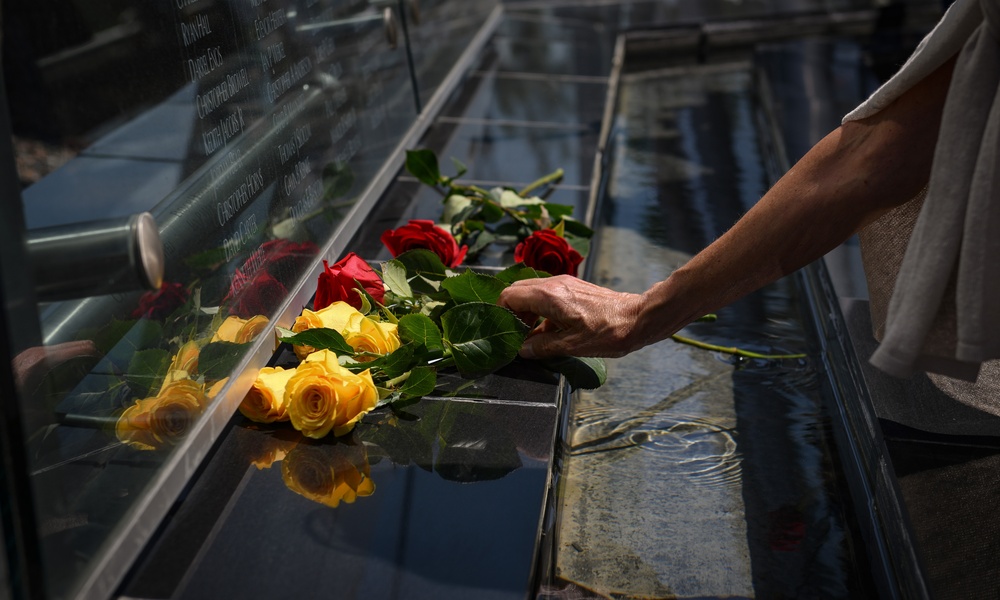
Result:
[[440, 30], [248, 129]]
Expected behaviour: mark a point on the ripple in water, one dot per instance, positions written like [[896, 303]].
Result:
[[695, 448]]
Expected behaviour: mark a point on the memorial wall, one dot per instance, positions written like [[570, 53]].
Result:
[[255, 133]]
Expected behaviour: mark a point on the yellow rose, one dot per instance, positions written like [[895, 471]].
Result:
[[334, 316], [274, 448], [133, 425], [228, 330], [173, 377], [164, 419], [328, 474], [250, 330], [322, 396], [186, 358], [374, 337], [216, 388], [240, 331], [265, 402], [360, 332]]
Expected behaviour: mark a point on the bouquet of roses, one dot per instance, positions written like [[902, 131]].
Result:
[[378, 337]]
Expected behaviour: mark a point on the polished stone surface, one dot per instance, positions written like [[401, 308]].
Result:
[[439, 499], [517, 154], [529, 98]]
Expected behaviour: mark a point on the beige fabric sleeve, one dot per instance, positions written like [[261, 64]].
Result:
[[941, 316]]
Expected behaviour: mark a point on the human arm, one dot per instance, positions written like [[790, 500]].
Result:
[[851, 177]]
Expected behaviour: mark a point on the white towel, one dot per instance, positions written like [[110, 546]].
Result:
[[951, 250]]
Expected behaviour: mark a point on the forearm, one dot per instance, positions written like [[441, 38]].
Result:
[[848, 179]]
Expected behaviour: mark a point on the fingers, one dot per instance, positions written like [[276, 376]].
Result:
[[579, 318], [525, 297]]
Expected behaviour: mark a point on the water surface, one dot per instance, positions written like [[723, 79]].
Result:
[[692, 473]]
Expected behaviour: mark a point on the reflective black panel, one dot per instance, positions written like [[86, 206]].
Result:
[[248, 130], [440, 499]]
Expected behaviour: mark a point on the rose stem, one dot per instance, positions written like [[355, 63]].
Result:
[[732, 350], [553, 176]]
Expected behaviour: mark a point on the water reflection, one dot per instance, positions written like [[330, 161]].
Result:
[[692, 446]]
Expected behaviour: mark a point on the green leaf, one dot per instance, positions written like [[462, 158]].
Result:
[[460, 167], [581, 373], [558, 212], [473, 225], [455, 206], [513, 229], [482, 337], [510, 199], [518, 272], [422, 262], [469, 217], [398, 362], [422, 381], [423, 165], [207, 260], [420, 329], [218, 359], [424, 270], [474, 287], [580, 244], [146, 370], [386, 397], [337, 180], [107, 336], [366, 300], [491, 213], [394, 277], [481, 241], [574, 227], [319, 338]]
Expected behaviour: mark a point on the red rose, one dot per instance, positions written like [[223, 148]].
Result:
[[278, 262], [285, 260], [339, 281], [160, 303], [546, 251], [260, 296], [421, 233]]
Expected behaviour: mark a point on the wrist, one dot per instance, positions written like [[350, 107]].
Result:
[[666, 307]]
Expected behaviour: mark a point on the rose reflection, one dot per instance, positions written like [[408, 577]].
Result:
[[458, 443], [162, 420], [321, 472]]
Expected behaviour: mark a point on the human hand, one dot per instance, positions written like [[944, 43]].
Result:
[[580, 318], [31, 366]]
